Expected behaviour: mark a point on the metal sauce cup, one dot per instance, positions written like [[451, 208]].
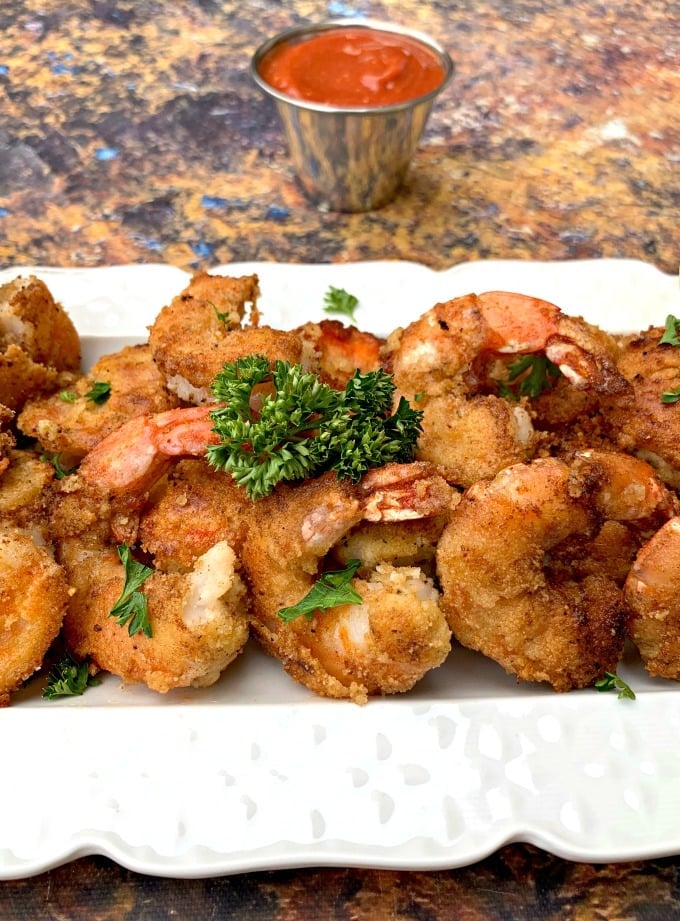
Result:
[[351, 158]]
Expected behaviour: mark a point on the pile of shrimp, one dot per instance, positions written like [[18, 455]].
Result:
[[539, 528]]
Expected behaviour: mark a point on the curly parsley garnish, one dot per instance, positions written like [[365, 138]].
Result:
[[330, 590], [531, 375], [612, 682], [285, 424], [131, 608], [68, 679], [337, 300], [671, 331]]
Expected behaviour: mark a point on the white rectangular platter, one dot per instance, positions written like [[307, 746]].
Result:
[[257, 773]]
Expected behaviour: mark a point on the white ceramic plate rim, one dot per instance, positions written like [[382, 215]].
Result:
[[256, 773]]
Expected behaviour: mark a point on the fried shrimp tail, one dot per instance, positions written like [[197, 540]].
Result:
[[132, 458], [396, 633]]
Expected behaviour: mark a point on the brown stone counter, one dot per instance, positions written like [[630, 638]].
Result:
[[131, 132]]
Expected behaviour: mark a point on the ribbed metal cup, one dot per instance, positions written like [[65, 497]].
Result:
[[354, 158]]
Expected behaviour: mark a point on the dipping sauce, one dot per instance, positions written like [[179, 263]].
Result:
[[353, 67]]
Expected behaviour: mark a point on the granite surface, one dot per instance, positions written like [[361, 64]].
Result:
[[131, 132]]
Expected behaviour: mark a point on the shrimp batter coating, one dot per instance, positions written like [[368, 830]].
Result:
[[435, 361], [198, 617], [7, 440], [38, 341], [200, 330], [403, 543], [334, 351], [396, 634], [651, 593], [189, 511], [72, 426], [507, 589], [24, 490], [640, 422], [33, 597]]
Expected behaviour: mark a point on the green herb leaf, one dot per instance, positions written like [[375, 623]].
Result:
[[670, 396], [68, 679], [59, 470], [131, 608], [532, 374], [223, 317], [337, 300], [285, 424], [99, 392], [68, 396], [329, 591], [612, 682], [671, 331]]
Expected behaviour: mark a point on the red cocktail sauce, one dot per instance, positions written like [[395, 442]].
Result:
[[353, 66]]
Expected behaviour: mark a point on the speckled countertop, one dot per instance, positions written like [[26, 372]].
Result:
[[131, 132]]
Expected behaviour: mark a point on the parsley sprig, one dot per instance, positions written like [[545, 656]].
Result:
[[531, 375], [68, 678], [330, 590], [98, 393], [671, 336], [131, 609], [60, 471], [612, 682], [671, 333], [284, 424], [337, 300]]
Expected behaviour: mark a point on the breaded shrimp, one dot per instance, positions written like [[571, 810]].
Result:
[[70, 423], [651, 592], [390, 640], [508, 590], [198, 617], [639, 421], [200, 330], [38, 341], [334, 351], [33, 598], [434, 360], [188, 511]]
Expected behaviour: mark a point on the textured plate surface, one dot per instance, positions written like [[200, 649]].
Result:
[[255, 772]]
